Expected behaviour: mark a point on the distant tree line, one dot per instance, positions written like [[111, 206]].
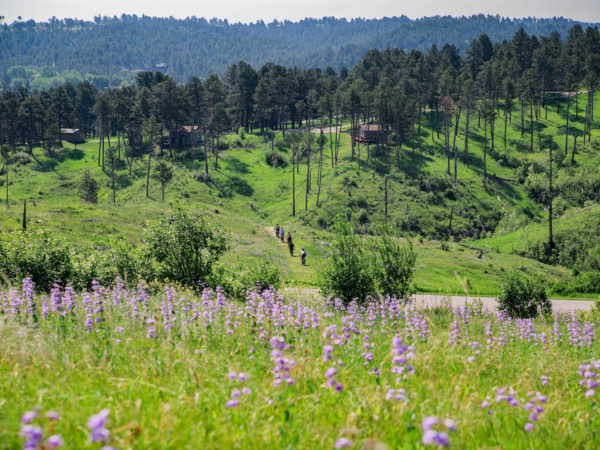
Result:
[[108, 51]]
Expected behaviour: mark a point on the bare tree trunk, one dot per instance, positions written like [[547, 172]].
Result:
[[550, 236], [386, 200], [294, 162], [466, 154], [567, 128], [148, 174]]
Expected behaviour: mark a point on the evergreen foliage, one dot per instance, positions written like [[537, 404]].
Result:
[[88, 188]]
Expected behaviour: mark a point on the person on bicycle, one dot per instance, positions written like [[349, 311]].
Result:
[[289, 237], [277, 230], [291, 246], [303, 256], [282, 234]]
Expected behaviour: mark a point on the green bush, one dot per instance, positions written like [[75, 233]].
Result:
[[583, 283], [523, 297], [395, 265], [37, 254], [185, 245], [348, 273], [275, 158], [239, 278]]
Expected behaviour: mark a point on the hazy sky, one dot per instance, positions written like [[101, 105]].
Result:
[[267, 10]]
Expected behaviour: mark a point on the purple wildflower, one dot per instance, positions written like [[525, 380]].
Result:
[[343, 443], [54, 441], [29, 416], [429, 422], [52, 415]]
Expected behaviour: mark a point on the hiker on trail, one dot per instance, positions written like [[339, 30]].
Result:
[[289, 237], [282, 234], [303, 256], [277, 230], [291, 246]]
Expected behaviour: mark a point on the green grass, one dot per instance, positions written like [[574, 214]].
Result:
[[251, 196], [171, 391]]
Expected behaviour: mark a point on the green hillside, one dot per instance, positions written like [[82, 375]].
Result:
[[251, 196]]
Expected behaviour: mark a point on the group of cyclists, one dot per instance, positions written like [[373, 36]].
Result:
[[280, 234]]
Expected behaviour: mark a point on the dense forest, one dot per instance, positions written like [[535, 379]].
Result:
[[110, 51], [393, 89]]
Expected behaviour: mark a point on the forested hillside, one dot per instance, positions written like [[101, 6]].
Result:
[[465, 148], [108, 51]]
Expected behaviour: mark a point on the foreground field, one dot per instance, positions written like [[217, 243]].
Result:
[[180, 370]]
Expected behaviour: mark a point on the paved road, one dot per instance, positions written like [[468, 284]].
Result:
[[490, 302], [313, 296]]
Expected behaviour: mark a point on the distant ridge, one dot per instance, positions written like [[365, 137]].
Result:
[[196, 46]]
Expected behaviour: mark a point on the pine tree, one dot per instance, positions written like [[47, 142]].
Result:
[[88, 188]]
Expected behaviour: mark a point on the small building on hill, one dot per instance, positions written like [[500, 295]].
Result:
[[372, 133], [72, 135], [182, 136]]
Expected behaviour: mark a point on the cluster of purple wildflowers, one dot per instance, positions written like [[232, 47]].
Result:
[[590, 377], [241, 377], [266, 323], [96, 424], [436, 437], [282, 365], [401, 354], [33, 433], [533, 405]]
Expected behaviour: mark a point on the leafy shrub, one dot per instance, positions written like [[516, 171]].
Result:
[[88, 188], [348, 272], [275, 158], [362, 217], [185, 245], [523, 297], [237, 279], [37, 254], [22, 158], [583, 283], [395, 265], [223, 146], [201, 176]]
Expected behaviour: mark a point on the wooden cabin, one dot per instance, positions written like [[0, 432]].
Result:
[[372, 133], [182, 136], [72, 135]]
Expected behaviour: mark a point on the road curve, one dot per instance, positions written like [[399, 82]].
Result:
[[427, 300]]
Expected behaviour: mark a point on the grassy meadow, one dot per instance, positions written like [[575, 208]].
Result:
[[182, 370]]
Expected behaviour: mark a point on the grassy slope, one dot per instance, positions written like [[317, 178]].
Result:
[[251, 196]]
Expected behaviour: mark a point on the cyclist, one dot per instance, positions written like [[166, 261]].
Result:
[[303, 256]]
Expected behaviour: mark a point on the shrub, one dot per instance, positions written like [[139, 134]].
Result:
[[348, 272], [523, 297], [88, 188], [237, 279], [36, 254], [275, 158], [186, 245], [395, 265], [583, 283], [201, 176]]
